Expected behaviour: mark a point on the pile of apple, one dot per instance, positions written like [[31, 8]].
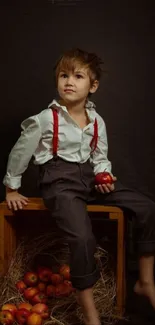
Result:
[[37, 288], [24, 313]]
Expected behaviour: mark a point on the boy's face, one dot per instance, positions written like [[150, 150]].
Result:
[[74, 86]]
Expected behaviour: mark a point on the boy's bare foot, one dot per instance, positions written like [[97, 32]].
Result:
[[90, 314], [91, 321], [146, 289]]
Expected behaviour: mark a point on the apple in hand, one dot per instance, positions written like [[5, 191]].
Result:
[[31, 279], [11, 308], [65, 271], [30, 292], [34, 319], [39, 297], [21, 286], [42, 310], [44, 273], [21, 316], [6, 318], [103, 178], [25, 305]]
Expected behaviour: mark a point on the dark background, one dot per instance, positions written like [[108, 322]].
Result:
[[33, 35], [122, 33]]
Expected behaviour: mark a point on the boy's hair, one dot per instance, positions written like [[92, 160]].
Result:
[[77, 57]]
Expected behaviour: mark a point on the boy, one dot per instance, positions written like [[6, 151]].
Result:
[[69, 142]]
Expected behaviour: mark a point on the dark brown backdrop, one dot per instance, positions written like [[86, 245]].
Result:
[[122, 33]]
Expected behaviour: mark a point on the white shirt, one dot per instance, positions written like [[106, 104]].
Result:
[[73, 142]]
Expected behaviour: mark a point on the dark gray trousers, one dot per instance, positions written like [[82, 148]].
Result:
[[66, 189]]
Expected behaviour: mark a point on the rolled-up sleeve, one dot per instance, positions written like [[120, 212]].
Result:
[[99, 157], [22, 152]]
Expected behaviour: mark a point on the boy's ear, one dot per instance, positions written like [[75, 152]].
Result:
[[94, 86]]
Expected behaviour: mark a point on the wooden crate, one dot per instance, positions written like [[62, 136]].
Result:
[[8, 240]]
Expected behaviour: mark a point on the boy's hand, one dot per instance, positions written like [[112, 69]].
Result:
[[106, 188], [15, 200]]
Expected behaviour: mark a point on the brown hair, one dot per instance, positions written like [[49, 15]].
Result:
[[71, 58]]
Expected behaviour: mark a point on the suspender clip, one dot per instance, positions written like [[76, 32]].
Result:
[[55, 157]]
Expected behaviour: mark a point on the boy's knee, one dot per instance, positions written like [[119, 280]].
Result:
[[83, 239], [150, 213], [146, 213]]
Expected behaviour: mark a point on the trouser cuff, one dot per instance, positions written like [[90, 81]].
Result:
[[146, 247], [85, 281]]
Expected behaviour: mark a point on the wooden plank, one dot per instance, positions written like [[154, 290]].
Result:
[[38, 204], [2, 221], [7, 242], [120, 274]]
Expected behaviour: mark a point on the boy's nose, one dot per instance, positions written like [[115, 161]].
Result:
[[69, 80]]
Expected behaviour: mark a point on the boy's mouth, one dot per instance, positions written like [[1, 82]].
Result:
[[68, 90]]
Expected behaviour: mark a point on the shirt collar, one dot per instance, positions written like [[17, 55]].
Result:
[[89, 105], [56, 104]]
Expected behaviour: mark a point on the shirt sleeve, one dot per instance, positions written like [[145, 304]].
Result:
[[99, 159], [22, 152]]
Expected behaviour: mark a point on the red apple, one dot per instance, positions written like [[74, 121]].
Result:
[[25, 305], [65, 271], [21, 315], [21, 286], [50, 290], [11, 308], [56, 278], [103, 178], [42, 310], [31, 279], [62, 290], [34, 319], [39, 298], [41, 286], [6, 318], [44, 274], [69, 283], [30, 292]]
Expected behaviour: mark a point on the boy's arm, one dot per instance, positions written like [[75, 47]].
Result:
[[99, 157], [100, 160], [22, 152]]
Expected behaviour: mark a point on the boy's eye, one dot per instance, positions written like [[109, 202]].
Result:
[[63, 75], [79, 76]]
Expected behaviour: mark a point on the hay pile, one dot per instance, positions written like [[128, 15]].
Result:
[[64, 311]]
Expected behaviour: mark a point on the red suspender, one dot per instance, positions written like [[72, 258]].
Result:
[[55, 132], [93, 142], [95, 136]]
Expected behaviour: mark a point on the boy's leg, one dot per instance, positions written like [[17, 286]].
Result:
[[71, 217], [86, 300], [145, 284], [143, 210], [65, 195]]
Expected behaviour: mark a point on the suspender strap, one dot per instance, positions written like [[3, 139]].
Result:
[[55, 132], [94, 140], [93, 143]]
